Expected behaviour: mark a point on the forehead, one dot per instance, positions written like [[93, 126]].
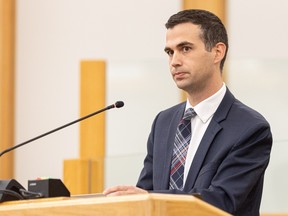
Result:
[[183, 32]]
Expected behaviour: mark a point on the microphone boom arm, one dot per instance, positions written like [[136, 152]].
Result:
[[118, 104]]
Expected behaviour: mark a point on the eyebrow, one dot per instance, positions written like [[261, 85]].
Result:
[[180, 45]]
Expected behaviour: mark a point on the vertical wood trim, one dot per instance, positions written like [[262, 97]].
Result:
[[76, 176], [218, 7], [92, 131], [92, 98], [7, 53], [86, 174]]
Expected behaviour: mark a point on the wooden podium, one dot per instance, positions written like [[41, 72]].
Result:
[[91, 205]]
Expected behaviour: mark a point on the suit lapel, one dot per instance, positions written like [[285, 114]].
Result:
[[170, 144], [212, 130], [202, 150]]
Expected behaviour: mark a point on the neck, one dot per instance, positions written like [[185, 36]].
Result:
[[197, 96]]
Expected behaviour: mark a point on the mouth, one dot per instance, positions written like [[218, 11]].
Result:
[[179, 75]]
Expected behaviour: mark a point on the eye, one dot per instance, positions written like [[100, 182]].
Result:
[[186, 49], [169, 52]]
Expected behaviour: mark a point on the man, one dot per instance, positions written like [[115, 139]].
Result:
[[225, 158]]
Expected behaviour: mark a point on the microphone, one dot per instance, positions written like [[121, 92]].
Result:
[[12, 190], [118, 104]]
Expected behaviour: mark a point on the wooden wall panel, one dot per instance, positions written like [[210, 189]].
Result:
[[217, 7], [92, 98], [86, 174], [7, 46]]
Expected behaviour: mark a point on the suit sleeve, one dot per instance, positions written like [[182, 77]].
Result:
[[145, 180]]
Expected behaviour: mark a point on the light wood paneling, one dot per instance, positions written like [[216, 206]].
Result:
[[86, 174], [271, 214], [7, 43], [81, 176], [92, 98], [218, 7]]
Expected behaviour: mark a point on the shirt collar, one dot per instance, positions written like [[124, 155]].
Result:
[[206, 109]]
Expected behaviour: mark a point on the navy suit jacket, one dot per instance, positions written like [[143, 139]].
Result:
[[229, 165]]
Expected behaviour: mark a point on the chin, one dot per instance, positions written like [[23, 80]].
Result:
[[183, 86]]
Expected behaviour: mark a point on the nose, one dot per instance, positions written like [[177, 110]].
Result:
[[175, 60]]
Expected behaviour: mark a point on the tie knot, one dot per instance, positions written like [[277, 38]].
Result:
[[189, 114]]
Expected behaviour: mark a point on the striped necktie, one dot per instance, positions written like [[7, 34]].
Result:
[[181, 144]]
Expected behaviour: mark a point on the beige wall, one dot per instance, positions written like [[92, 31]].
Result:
[[53, 36]]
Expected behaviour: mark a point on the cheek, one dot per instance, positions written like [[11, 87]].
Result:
[[200, 67], [205, 61]]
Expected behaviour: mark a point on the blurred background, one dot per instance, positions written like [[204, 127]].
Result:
[[53, 36]]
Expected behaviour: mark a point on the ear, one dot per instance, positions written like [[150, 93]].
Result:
[[220, 50]]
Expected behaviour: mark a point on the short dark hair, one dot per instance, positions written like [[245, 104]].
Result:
[[213, 30]]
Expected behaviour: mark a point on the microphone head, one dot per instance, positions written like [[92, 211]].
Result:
[[119, 104]]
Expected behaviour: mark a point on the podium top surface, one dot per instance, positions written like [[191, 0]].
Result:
[[97, 204]]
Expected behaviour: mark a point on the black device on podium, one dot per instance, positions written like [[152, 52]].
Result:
[[39, 188], [48, 187], [10, 190]]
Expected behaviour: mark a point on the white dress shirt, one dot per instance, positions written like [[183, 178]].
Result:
[[205, 111]]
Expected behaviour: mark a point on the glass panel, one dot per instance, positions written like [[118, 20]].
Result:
[[262, 85]]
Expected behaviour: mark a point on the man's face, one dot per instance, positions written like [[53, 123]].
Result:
[[191, 65]]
